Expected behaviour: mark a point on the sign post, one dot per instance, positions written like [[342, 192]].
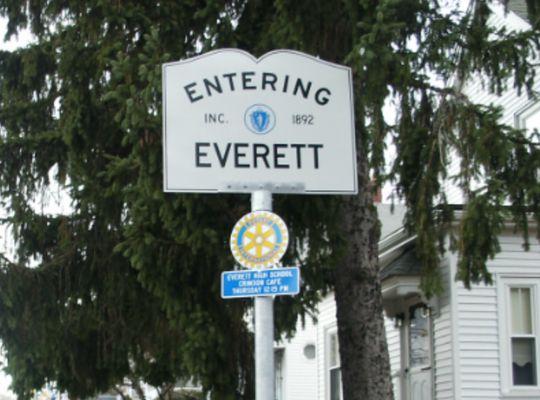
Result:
[[264, 322], [282, 123]]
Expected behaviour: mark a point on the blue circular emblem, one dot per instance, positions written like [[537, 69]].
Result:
[[260, 119]]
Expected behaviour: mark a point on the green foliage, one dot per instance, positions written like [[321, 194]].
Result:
[[128, 283]]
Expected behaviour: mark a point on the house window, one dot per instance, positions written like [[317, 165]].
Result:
[[419, 337], [529, 117], [519, 332], [523, 337], [334, 367]]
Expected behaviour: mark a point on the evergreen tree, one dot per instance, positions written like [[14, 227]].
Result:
[[127, 285]]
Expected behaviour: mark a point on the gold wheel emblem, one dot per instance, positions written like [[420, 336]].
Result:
[[259, 239]]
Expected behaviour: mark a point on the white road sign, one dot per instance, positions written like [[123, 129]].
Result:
[[234, 123]]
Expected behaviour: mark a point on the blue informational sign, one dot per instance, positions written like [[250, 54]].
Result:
[[264, 282]]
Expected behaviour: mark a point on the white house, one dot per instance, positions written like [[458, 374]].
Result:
[[478, 344], [482, 343]]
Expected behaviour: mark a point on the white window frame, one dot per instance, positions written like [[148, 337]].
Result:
[[330, 331], [525, 113], [504, 284]]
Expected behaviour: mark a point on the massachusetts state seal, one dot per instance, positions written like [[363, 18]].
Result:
[[260, 119]]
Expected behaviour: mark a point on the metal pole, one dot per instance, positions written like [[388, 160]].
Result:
[[261, 200]]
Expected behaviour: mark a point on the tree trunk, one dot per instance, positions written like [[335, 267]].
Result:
[[365, 365]]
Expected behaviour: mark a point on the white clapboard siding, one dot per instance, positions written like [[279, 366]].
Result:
[[443, 341], [394, 351], [477, 331], [299, 372], [512, 104], [305, 379], [478, 323], [477, 88], [326, 322]]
